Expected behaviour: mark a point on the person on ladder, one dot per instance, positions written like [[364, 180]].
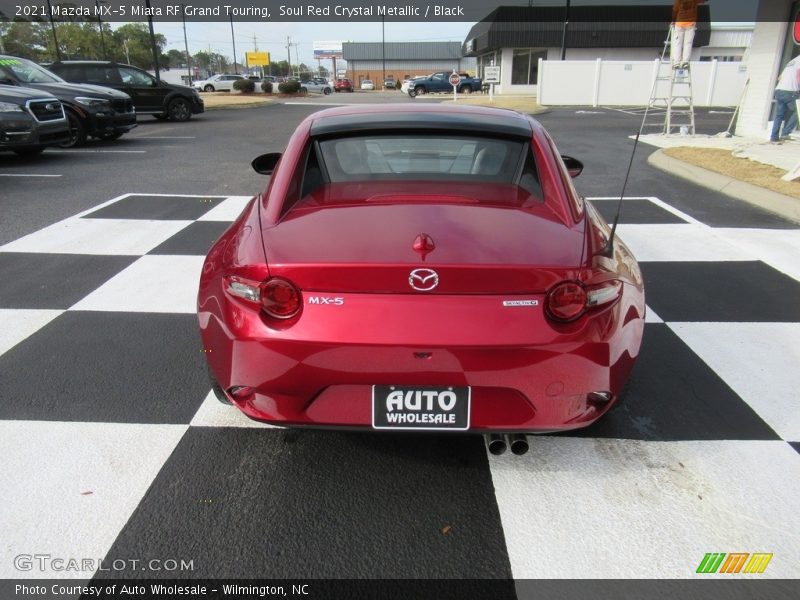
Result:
[[684, 24]]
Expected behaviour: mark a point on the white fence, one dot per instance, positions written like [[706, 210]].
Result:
[[629, 83]]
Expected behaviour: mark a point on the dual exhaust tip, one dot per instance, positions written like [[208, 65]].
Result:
[[498, 443]]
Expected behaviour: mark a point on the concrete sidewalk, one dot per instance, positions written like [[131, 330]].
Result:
[[785, 156]]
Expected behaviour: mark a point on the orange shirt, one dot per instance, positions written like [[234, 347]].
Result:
[[684, 12]]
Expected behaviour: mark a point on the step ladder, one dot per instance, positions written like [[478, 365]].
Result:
[[671, 108]]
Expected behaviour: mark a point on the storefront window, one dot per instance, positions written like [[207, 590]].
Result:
[[525, 67]]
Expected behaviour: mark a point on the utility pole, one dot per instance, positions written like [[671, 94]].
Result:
[[97, 4], [186, 45], [383, 48], [53, 27], [564, 36], [153, 41], [233, 40], [289, 52]]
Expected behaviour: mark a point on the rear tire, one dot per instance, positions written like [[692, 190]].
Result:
[[326, 91], [179, 110], [208, 88], [420, 91], [29, 151], [219, 394], [110, 136], [77, 132], [412, 93], [467, 89]]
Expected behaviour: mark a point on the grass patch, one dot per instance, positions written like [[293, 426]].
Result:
[[743, 169]]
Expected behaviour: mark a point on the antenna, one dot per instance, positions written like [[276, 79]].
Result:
[[608, 250]]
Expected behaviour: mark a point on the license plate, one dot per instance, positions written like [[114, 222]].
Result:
[[432, 408]]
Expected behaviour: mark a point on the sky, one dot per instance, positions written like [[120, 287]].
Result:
[[271, 36]]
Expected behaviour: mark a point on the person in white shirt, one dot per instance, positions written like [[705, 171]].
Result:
[[787, 91]]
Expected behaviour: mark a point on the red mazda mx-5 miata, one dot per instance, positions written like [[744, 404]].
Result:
[[421, 269]]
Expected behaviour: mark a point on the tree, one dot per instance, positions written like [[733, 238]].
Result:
[[175, 59], [131, 43]]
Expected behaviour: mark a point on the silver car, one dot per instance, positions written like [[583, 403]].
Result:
[[217, 83], [316, 86]]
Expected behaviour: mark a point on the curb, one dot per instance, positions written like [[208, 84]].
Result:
[[774, 202], [240, 105]]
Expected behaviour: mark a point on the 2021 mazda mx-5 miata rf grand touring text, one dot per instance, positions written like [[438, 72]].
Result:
[[421, 269]]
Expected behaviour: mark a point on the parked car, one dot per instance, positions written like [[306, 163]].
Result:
[[389, 83], [91, 110], [366, 84], [216, 83], [150, 96], [440, 82], [30, 120], [468, 287], [343, 85], [315, 86]]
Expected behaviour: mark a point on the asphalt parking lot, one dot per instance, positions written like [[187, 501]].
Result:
[[102, 373]]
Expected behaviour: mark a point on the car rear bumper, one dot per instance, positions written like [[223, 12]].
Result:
[[548, 383]]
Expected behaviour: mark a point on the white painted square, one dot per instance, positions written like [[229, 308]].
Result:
[[603, 508], [17, 324], [650, 316], [227, 210], [759, 361], [69, 488], [675, 242], [98, 236], [779, 248], [158, 284], [213, 413]]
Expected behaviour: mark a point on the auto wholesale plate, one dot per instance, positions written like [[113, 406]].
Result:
[[420, 408]]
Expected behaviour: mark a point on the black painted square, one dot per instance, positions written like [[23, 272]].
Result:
[[196, 239], [157, 207], [721, 291], [638, 212], [106, 367], [55, 281], [317, 504], [673, 395]]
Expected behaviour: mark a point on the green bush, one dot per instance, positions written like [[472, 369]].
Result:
[[289, 87], [398, 84], [244, 85], [266, 87]]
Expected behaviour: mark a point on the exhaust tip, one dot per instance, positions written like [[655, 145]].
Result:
[[496, 444], [518, 443]]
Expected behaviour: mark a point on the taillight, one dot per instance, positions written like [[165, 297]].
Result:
[[566, 301], [569, 300], [280, 298]]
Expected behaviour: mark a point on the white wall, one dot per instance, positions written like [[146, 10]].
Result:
[[630, 83], [763, 63]]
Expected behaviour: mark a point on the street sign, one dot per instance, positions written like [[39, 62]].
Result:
[[491, 74], [455, 79]]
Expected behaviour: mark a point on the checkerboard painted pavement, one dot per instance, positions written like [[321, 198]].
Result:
[[113, 446]]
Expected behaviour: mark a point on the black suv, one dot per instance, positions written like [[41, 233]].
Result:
[[30, 120], [91, 110], [150, 97]]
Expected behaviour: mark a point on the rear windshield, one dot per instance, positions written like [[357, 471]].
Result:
[[422, 157]]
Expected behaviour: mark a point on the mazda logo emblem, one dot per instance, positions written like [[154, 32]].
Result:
[[423, 280]]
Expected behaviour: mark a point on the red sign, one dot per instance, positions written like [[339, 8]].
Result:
[[455, 79], [796, 28]]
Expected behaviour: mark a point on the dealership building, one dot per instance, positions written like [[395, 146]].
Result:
[[403, 60]]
